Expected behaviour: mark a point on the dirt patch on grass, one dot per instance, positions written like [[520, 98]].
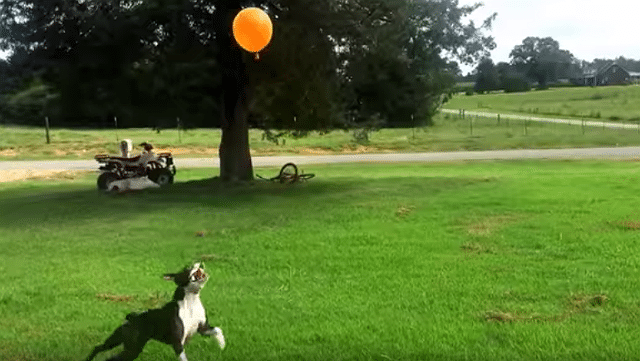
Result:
[[577, 304], [115, 298], [404, 210], [189, 151], [9, 152], [630, 225], [487, 226], [24, 174], [477, 248], [363, 149], [582, 303], [315, 151]]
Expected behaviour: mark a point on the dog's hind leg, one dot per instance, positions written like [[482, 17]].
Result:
[[114, 340], [133, 339]]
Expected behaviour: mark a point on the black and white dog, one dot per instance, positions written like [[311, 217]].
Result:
[[173, 324]]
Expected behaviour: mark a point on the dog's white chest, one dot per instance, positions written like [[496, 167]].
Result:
[[192, 314]]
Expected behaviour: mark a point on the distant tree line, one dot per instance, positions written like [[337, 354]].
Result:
[[536, 62]]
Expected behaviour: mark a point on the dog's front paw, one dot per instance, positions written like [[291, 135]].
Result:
[[217, 333]]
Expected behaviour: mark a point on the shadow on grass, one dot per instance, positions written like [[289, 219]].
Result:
[[33, 205], [68, 203]]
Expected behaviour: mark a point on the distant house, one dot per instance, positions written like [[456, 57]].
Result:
[[612, 74]]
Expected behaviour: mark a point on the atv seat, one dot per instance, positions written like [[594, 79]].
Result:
[[134, 159]]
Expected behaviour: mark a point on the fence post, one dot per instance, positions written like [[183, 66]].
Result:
[[115, 121], [179, 136], [46, 127], [583, 125], [498, 119], [413, 128], [526, 131], [471, 125]]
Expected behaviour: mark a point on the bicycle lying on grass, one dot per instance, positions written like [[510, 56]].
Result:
[[289, 174]]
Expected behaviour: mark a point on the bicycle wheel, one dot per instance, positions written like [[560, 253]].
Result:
[[288, 173]]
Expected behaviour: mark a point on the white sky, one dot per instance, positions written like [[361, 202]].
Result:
[[589, 29]]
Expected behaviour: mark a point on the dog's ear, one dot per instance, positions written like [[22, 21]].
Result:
[[181, 278]]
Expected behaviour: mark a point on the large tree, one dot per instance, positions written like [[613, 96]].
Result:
[[487, 76], [331, 63], [542, 60]]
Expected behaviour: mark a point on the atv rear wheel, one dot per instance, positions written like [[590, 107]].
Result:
[[161, 176], [105, 179]]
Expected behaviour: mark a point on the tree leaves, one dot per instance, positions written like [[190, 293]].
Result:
[[541, 59], [331, 63]]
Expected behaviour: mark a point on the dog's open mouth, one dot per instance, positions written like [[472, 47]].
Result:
[[199, 275]]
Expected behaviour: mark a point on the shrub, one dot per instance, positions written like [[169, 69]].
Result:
[[562, 85], [463, 88], [514, 84], [29, 105], [594, 114]]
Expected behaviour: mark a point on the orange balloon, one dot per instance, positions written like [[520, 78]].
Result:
[[252, 29]]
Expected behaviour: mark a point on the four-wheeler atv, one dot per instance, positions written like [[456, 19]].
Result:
[[159, 168]]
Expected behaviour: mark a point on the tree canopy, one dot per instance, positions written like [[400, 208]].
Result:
[[487, 77], [331, 63], [542, 60]]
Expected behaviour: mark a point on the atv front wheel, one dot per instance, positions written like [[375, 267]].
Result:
[[105, 179], [161, 176]]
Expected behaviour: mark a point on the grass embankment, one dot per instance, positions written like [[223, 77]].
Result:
[[448, 134], [478, 261], [616, 103]]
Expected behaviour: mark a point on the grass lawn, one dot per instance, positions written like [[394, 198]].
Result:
[[448, 134], [532, 260], [600, 103]]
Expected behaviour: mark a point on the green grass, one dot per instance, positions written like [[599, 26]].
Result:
[[463, 261], [482, 133], [617, 103], [448, 134]]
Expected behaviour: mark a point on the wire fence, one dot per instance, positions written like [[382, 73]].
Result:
[[474, 122]]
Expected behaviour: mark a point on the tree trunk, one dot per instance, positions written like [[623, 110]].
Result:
[[234, 153]]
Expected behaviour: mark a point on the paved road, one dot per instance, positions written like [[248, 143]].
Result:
[[587, 123], [584, 153]]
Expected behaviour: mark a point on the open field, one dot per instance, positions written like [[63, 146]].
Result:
[[617, 103], [462, 261], [448, 134]]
